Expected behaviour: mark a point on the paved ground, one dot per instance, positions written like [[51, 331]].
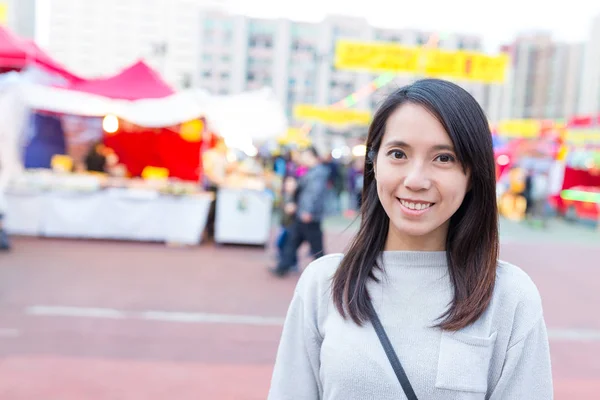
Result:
[[107, 320]]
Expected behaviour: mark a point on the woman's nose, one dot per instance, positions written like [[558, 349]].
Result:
[[417, 178]]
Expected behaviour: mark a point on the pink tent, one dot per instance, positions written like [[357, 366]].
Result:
[[136, 82], [17, 53], [14, 53], [42, 58]]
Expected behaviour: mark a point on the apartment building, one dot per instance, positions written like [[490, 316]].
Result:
[[101, 37], [19, 16], [192, 44], [296, 59], [589, 99], [544, 80]]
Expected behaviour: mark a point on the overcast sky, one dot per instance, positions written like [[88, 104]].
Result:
[[497, 21]]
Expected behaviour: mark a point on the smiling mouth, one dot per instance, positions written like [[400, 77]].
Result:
[[415, 205]]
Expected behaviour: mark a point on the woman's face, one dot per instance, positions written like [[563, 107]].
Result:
[[420, 183]]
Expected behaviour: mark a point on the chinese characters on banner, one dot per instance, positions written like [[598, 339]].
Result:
[[436, 63]]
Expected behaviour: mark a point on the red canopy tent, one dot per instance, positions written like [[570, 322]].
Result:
[[136, 82], [138, 147]]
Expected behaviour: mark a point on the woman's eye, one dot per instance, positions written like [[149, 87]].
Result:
[[445, 158], [397, 154]]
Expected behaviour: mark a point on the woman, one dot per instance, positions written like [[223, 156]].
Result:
[[462, 324]]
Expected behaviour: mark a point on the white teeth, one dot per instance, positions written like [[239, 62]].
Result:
[[415, 206]]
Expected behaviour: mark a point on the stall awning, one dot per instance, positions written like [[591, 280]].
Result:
[[13, 51], [40, 57], [18, 53], [136, 82]]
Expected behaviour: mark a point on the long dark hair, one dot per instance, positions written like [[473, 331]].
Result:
[[472, 241]]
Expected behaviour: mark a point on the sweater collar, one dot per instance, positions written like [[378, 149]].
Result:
[[414, 259]]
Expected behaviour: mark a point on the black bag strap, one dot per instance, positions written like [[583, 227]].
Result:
[[391, 355]]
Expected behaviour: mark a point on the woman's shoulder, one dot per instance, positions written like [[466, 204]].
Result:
[[516, 299], [512, 280], [315, 280]]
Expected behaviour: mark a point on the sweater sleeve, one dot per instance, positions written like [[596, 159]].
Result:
[[526, 373], [296, 373]]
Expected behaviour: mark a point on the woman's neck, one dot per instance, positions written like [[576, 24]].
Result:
[[400, 241]]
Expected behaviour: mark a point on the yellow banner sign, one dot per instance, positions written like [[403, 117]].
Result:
[[295, 136], [583, 136], [520, 128], [390, 57], [332, 116], [3, 13]]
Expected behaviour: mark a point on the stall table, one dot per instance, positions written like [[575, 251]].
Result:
[[119, 214]]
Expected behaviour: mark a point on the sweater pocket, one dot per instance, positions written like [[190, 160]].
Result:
[[464, 362]]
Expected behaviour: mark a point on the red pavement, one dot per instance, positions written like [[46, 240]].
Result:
[[74, 358]]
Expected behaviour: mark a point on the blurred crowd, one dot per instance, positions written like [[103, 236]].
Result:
[[308, 189]]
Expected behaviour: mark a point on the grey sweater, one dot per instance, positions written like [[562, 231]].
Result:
[[503, 355]]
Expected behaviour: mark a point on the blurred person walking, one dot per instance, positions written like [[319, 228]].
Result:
[[335, 186], [355, 182], [288, 212], [308, 212], [419, 307]]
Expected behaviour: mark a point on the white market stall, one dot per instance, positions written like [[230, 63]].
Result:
[[146, 214], [244, 207]]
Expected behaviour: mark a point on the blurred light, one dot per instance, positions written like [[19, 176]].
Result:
[[359, 150], [251, 151], [336, 153], [231, 157], [589, 163], [110, 124], [503, 160], [346, 151]]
